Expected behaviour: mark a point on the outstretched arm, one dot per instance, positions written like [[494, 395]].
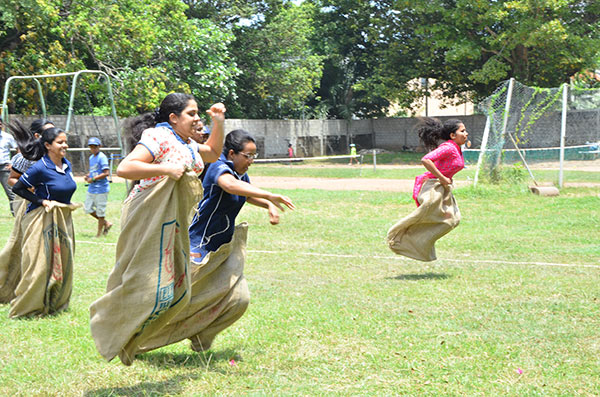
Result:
[[273, 212], [233, 185]]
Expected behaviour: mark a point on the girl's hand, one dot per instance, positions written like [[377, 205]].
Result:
[[174, 171], [273, 215], [88, 179], [445, 181], [217, 112], [278, 199], [48, 205]]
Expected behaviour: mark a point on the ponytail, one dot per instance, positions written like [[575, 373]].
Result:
[[432, 130], [173, 103], [31, 148]]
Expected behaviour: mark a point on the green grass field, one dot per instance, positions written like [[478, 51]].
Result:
[[511, 307]]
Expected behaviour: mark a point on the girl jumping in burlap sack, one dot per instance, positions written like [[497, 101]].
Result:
[[437, 213], [37, 262], [150, 283], [218, 247]]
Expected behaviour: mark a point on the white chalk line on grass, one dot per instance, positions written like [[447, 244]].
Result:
[[402, 258]]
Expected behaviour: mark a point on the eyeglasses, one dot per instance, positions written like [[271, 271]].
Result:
[[249, 156]]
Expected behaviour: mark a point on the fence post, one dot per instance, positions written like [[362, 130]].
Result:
[[374, 160], [563, 131]]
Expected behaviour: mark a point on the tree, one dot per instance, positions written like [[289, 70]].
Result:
[[469, 46], [279, 71], [159, 50]]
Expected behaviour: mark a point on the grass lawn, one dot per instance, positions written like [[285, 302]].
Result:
[[511, 307]]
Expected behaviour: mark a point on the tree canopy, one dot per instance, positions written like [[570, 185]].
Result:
[[289, 59]]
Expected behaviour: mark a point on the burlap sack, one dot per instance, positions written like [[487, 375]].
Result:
[[45, 281], [10, 256], [415, 235], [219, 297], [150, 283]]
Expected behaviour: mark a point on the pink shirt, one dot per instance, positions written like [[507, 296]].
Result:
[[448, 158]]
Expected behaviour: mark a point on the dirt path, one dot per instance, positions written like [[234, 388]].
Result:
[[381, 185], [387, 185]]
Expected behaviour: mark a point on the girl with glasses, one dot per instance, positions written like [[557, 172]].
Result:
[[217, 246]]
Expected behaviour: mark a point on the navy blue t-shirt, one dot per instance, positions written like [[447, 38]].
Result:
[[214, 223], [49, 183]]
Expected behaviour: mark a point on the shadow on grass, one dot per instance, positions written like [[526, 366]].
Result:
[[421, 276], [203, 360], [169, 387], [194, 361]]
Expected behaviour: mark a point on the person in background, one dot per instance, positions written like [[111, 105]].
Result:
[[201, 136], [202, 133], [353, 154], [7, 142], [97, 193]]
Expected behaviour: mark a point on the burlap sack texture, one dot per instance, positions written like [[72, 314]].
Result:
[[415, 235], [219, 297], [150, 283], [10, 257], [36, 265]]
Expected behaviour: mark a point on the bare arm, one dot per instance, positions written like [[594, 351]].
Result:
[[103, 175], [211, 150], [13, 177], [430, 166], [232, 185], [138, 165], [273, 213]]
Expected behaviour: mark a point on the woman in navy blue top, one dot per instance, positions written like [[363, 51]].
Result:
[[226, 188], [40, 253], [51, 176]]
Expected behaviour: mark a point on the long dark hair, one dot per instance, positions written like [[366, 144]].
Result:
[[173, 103], [33, 148], [432, 130], [236, 140]]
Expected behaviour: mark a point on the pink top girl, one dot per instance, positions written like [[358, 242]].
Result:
[[447, 159]]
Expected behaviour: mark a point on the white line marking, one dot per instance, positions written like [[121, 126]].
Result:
[[440, 259], [401, 258]]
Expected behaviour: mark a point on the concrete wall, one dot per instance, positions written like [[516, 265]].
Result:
[[329, 137]]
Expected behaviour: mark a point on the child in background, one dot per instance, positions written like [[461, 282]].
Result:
[[97, 194], [353, 154]]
